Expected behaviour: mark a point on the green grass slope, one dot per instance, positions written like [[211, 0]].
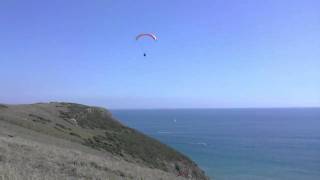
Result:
[[95, 127]]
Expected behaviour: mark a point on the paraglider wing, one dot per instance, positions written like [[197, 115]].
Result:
[[147, 35]]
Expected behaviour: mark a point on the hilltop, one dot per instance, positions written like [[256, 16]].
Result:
[[67, 140]]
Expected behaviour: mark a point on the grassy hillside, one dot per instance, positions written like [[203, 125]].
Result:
[[26, 154], [95, 128]]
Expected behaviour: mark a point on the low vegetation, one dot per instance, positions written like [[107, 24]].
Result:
[[39, 119], [3, 106], [26, 159]]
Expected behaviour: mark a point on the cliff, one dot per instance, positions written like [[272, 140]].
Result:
[[78, 141]]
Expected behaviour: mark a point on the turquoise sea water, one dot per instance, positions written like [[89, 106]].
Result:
[[240, 144]]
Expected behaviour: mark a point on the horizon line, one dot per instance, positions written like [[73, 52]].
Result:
[[170, 108], [278, 107]]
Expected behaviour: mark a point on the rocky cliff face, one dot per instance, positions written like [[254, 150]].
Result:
[[95, 128]]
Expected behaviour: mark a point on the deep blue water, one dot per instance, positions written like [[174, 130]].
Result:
[[240, 144]]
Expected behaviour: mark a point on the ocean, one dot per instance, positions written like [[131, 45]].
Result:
[[238, 144]]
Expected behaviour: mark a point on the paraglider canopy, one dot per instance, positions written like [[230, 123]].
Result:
[[150, 35]]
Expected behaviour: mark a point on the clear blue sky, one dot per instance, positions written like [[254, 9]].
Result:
[[210, 53]]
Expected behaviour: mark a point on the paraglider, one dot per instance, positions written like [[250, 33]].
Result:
[[146, 35]]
